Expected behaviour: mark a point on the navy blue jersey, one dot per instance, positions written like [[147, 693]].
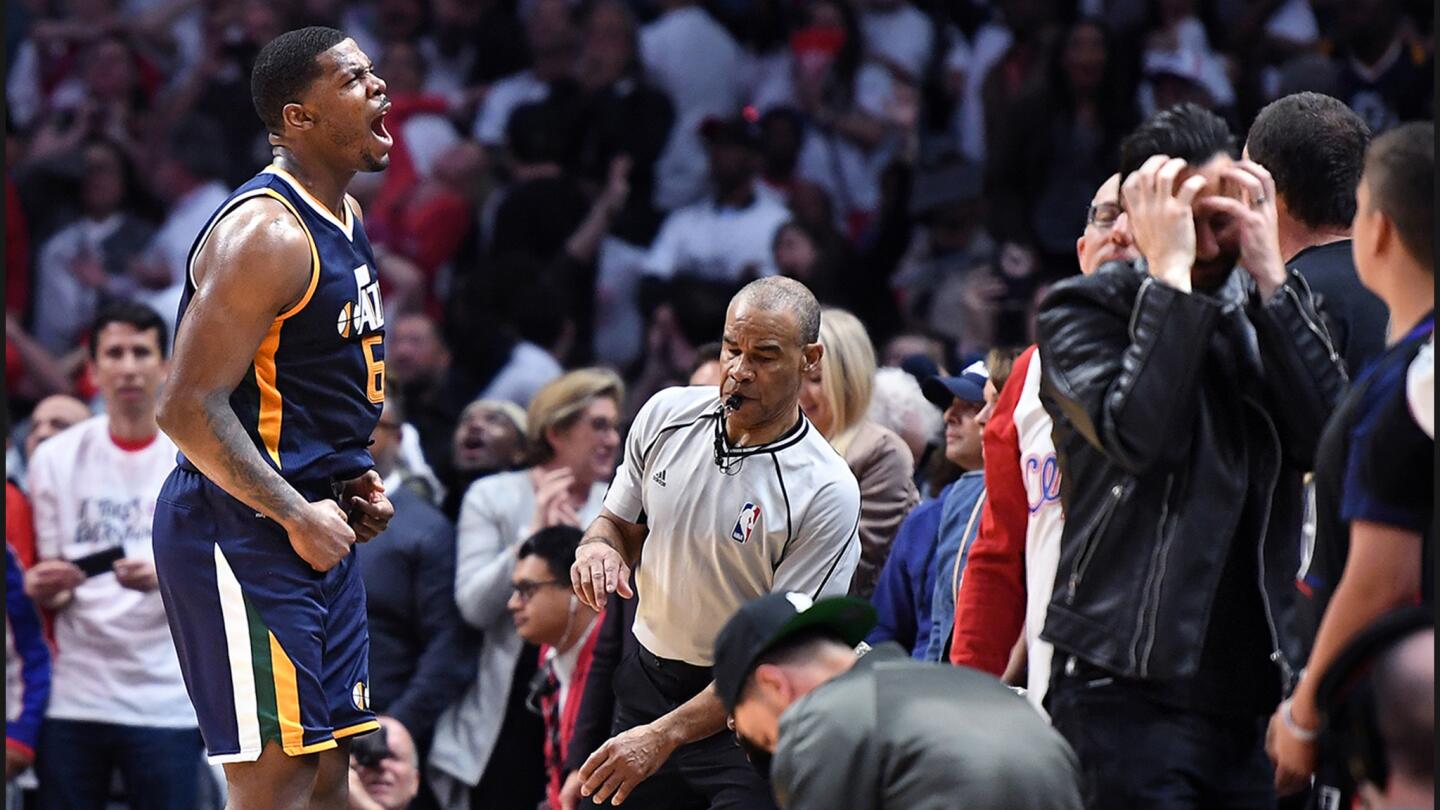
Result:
[[314, 390]]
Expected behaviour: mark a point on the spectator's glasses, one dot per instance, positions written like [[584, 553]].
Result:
[[527, 590], [1104, 215], [601, 424]]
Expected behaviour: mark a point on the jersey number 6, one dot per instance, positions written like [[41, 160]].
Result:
[[375, 369]]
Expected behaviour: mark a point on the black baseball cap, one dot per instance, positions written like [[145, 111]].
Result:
[[765, 622]]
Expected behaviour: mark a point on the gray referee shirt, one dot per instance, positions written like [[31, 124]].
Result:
[[728, 524]]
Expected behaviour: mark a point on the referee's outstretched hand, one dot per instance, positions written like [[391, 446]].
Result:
[[599, 571]]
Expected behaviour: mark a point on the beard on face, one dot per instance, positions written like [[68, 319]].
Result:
[[348, 141], [1211, 274]]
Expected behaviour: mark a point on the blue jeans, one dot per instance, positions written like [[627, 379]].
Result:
[[76, 761], [1137, 753]]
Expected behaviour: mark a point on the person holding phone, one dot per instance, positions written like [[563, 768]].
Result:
[[117, 698]]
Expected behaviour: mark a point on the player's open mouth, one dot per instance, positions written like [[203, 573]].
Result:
[[377, 126]]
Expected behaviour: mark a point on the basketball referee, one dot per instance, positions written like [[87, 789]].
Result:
[[723, 496]]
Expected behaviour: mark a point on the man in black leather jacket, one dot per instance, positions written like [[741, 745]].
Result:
[[1188, 390]]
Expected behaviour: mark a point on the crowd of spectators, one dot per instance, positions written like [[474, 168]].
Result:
[[575, 192]]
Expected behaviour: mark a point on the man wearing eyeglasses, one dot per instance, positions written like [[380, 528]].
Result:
[[548, 614], [1010, 567], [1188, 389]]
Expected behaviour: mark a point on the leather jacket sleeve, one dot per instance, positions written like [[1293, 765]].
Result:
[[1305, 376], [1125, 377]]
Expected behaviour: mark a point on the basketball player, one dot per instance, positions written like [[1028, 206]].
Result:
[[278, 381]]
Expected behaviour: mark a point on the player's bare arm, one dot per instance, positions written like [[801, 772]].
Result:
[[256, 264], [602, 563]]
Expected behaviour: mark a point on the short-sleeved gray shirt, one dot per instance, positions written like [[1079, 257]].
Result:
[[779, 516]]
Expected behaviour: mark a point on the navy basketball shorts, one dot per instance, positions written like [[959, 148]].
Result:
[[270, 648]]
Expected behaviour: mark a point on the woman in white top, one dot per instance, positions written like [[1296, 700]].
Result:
[[836, 397], [574, 441]]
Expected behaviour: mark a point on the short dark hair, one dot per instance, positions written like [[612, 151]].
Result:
[[556, 546], [138, 315], [285, 68], [795, 649], [707, 353], [778, 293], [1314, 147], [1187, 131], [540, 132], [1400, 174]]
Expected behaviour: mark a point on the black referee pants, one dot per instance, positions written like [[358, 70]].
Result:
[[710, 773]]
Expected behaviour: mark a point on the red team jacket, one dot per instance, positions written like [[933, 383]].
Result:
[[990, 605]]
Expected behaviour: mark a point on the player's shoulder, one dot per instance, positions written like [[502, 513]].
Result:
[[680, 405], [265, 225]]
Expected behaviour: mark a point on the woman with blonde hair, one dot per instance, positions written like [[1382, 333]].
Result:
[[573, 439], [835, 397]]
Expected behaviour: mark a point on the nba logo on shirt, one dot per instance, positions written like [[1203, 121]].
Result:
[[749, 516]]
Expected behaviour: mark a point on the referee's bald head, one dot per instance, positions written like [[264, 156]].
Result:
[[781, 294]]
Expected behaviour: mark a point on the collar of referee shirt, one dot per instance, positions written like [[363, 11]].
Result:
[[728, 456]]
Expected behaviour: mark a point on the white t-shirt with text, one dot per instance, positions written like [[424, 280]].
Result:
[[115, 661]]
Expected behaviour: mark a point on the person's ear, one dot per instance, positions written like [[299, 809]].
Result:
[[1080, 251], [1385, 240], [812, 354], [771, 678], [553, 434], [294, 115]]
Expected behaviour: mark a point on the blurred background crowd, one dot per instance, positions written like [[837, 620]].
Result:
[[577, 182], [575, 192]]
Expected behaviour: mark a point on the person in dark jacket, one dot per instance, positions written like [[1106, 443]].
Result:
[[1314, 147], [421, 655], [879, 731], [1374, 480], [1187, 395]]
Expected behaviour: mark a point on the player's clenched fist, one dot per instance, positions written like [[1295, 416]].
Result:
[[370, 509], [321, 534], [599, 570]]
